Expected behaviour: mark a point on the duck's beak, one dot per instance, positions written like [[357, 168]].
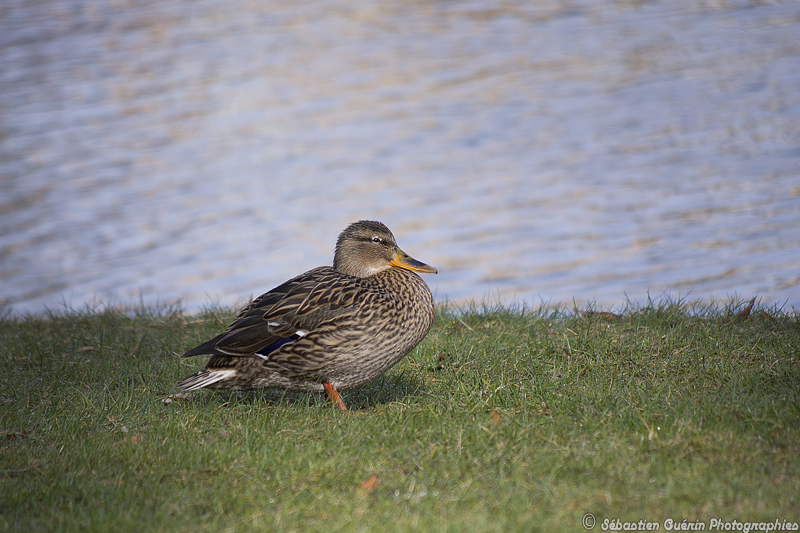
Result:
[[403, 260]]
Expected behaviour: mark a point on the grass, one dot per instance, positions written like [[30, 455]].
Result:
[[503, 419]]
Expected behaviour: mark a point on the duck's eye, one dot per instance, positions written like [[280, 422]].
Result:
[[377, 240]]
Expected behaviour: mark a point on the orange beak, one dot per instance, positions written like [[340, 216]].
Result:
[[403, 260]]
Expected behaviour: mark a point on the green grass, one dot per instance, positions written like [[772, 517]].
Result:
[[501, 420]]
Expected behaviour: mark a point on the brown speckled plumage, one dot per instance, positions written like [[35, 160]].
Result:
[[333, 327]]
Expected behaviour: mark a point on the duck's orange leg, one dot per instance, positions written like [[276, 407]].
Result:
[[333, 396]]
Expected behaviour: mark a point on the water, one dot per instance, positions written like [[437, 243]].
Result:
[[204, 152]]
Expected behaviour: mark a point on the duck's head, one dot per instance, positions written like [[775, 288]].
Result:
[[367, 247]]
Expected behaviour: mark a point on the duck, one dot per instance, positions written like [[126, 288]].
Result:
[[330, 329]]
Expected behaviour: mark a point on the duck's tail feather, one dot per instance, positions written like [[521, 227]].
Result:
[[206, 379]]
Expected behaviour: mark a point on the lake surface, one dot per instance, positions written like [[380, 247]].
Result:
[[203, 152]]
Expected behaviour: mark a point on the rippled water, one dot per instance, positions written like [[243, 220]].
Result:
[[539, 151]]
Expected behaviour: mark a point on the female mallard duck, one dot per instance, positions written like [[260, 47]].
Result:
[[332, 328]]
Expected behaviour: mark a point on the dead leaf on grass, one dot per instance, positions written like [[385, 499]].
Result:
[[494, 416], [369, 484], [746, 311], [601, 314], [12, 435], [178, 396]]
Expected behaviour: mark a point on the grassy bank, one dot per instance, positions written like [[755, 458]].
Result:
[[501, 420]]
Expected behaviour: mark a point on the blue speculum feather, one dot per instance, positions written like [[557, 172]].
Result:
[[275, 345]]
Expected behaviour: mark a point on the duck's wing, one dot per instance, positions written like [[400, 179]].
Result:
[[286, 313]]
